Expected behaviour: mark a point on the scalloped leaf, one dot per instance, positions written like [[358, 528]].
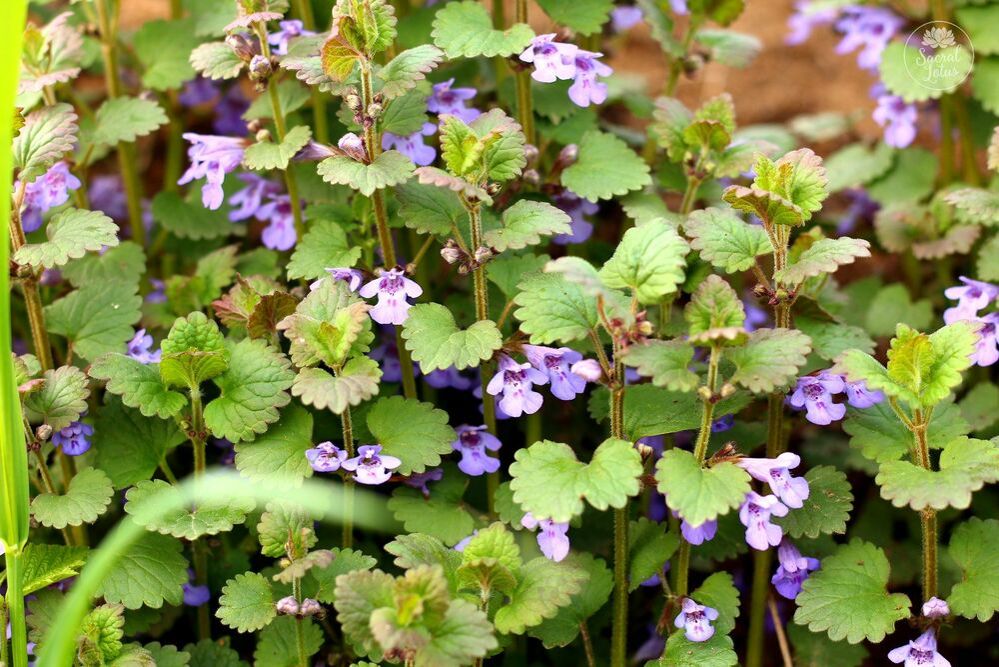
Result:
[[61, 400], [465, 29], [906, 73], [605, 167], [264, 155], [71, 234], [554, 309], [667, 362], [323, 246], [827, 508], [356, 382], [436, 342], [649, 260], [139, 385], [125, 119], [442, 514], [726, 240], [543, 587], [824, 256], [715, 314], [47, 135], [216, 60], [974, 546], [403, 72], [247, 603], [96, 318], [87, 498], [525, 223], [415, 432], [770, 359], [700, 494], [189, 523], [388, 169], [966, 465], [278, 456]]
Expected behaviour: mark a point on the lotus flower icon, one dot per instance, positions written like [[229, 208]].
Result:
[[939, 38]]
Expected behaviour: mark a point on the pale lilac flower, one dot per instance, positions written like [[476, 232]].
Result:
[[288, 30], [971, 297], [139, 346], [158, 293], [552, 60], [353, 146], [421, 480], [412, 146], [392, 288], [388, 354], [679, 7], [936, 608], [553, 539], [814, 393], [987, 348], [198, 91], [460, 546], [588, 369], [106, 193], [793, 491], [898, 118], [74, 439], [756, 317], [651, 649], [695, 619], [371, 467], [862, 208], [920, 653], [555, 363], [249, 201], [448, 377], [792, 571], [755, 515], [447, 100], [585, 89], [287, 605], [870, 29], [472, 443], [347, 275], [280, 233], [806, 17], [516, 381], [859, 396], [625, 17], [194, 595], [699, 534], [49, 190], [577, 208], [212, 157], [326, 457], [228, 117]]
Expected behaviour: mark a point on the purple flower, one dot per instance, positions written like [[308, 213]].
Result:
[[585, 88], [552, 60], [447, 100], [792, 571], [625, 17], [695, 619], [723, 423], [74, 439], [936, 608], [651, 649], [898, 118], [807, 17], [553, 539], [472, 443], [288, 29], [138, 348], [370, 467], [212, 157], [920, 653], [588, 369], [49, 190], [862, 207], [700, 534], [755, 516], [107, 194], [229, 112], [421, 480], [793, 491], [194, 595], [249, 201], [516, 381], [448, 377], [987, 348], [326, 457], [577, 208], [158, 293], [814, 393], [228, 450], [392, 288], [555, 364], [679, 7], [198, 91], [350, 276], [870, 29], [971, 297], [280, 233], [460, 546], [859, 396], [388, 354], [353, 146], [412, 146]]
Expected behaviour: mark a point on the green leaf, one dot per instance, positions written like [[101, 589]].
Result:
[[138, 384], [605, 167], [266, 154], [827, 508], [667, 362], [418, 549], [911, 178], [503, 143], [880, 436], [61, 400], [563, 628], [490, 560], [769, 207], [965, 466], [831, 339], [975, 205], [96, 318], [770, 359], [247, 603], [193, 352], [328, 325], [209, 653], [129, 446], [585, 17], [357, 381], [914, 78], [415, 432], [857, 165], [734, 49], [167, 656], [163, 48], [465, 29], [441, 179], [403, 72], [436, 342], [389, 168], [189, 220], [251, 391], [551, 483], [216, 60], [715, 314], [974, 546], [346, 560], [47, 564], [125, 263], [278, 645], [71, 234], [649, 260], [554, 309], [977, 406], [324, 246], [149, 573], [189, 523], [987, 265], [291, 97], [101, 633], [651, 410], [543, 587], [125, 119], [429, 209], [278, 455], [47, 135], [813, 650], [358, 594], [891, 305], [442, 515], [525, 223], [700, 494], [847, 597], [824, 256], [286, 528], [725, 240], [650, 545], [983, 83], [88, 497], [797, 176], [715, 652]]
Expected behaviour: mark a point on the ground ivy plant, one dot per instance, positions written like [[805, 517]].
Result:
[[358, 332]]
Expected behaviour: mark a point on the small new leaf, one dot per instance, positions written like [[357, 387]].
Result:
[[357, 381], [247, 603], [725, 240], [525, 223], [770, 359], [650, 261]]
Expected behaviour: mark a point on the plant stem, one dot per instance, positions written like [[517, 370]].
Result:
[[4, 646], [29, 286], [971, 175], [304, 10], [757, 609], [619, 634], [348, 490], [15, 607], [303, 657], [289, 175], [928, 516], [584, 633], [525, 103], [197, 437], [785, 650], [689, 195], [946, 139]]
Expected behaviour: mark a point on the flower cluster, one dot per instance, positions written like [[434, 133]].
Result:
[[562, 368], [553, 538], [814, 394], [391, 288], [972, 296], [559, 61], [46, 192], [444, 100]]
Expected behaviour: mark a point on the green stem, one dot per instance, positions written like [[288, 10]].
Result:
[[15, 607], [946, 139], [971, 174], [4, 646], [348, 490], [758, 608], [928, 516], [304, 10], [303, 656], [584, 633], [198, 547], [525, 102], [619, 632], [676, 63], [689, 195], [29, 287], [289, 175]]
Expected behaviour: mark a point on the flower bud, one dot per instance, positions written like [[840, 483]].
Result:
[[588, 369], [260, 68], [353, 101], [353, 146], [241, 46], [309, 607], [727, 390], [568, 155], [531, 177], [263, 134], [375, 110], [287, 605], [451, 253], [43, 432], [644, 450], [704, 393], [531, 153], [483, 254]]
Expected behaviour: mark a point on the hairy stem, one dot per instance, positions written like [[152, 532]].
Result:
[[289, 175], [928, 516], [619, 633], [348, 491], [304, 10], [303, 655], [525, 103], [29, 286], [689, 195]]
